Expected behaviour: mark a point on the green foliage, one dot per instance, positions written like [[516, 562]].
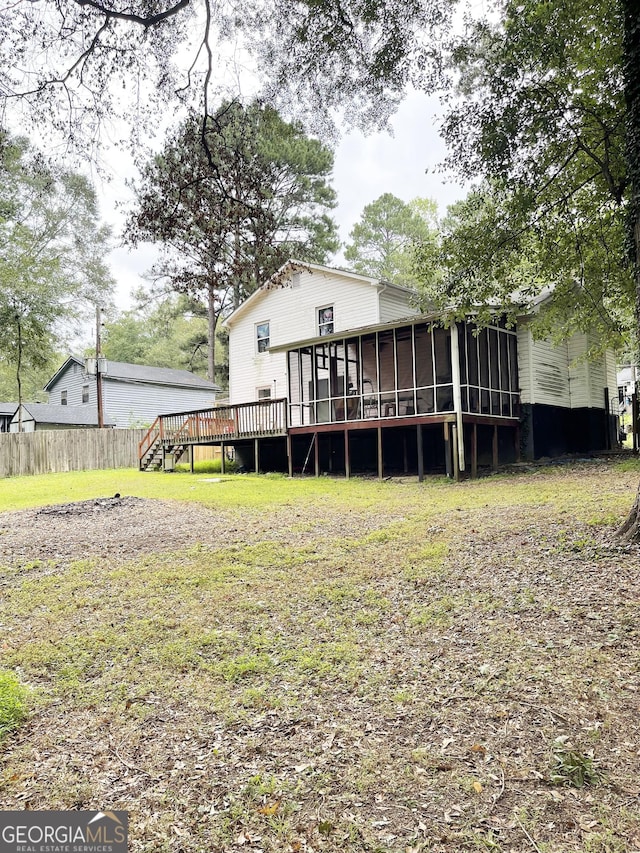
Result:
[[228, 204], [12, 702], [572, 768], [316, 59], [541, 121], [171, 333], [51, 250], [383, 242]]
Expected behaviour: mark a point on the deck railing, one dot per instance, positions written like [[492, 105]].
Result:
[[225, 423]]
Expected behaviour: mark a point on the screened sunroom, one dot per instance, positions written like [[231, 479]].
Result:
[[417, 369]]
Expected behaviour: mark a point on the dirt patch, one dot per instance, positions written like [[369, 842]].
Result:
[[120, 528]]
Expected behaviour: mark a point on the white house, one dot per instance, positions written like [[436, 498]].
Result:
[[301, 301], [361, 371], [133, 394]]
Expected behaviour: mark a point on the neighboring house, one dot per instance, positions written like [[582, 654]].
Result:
[[7, 411], [133, 394], [301, 301], [48, 416], [371, 385], [626, 380]]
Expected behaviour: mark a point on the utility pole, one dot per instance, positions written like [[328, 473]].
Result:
[[98, 374]]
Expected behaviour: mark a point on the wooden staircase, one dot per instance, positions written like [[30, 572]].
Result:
[[153, 451]]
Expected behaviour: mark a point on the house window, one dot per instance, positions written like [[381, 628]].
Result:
[[63, 398], [264, 393], [262, 336], [325, 320], [85, 393]]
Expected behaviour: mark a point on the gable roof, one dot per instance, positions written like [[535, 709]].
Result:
[[292, 266], [48, 413], [8, 408], [141, 373]]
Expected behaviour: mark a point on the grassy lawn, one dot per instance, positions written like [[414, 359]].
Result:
[[337, 666]]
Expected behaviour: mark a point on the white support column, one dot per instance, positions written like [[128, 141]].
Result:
[[457, 393]]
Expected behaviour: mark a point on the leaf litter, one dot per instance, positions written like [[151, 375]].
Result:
[[343, 684]]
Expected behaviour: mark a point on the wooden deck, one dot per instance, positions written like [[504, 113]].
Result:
[[172, 434], [252, 425]]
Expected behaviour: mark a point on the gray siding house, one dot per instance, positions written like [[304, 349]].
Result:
[[7, 411], [133, 394], [48, 416]]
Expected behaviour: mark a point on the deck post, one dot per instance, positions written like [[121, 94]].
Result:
[[289, 455], [380, 458], [474, 451], [494, 450], [448, 460], [256, 454], [347, 460], [222, 458], [455, 442], [192, 453], [316, 454], [420, 453]]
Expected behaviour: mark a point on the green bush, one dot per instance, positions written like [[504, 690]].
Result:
[[12, 702], [208, 466], [572, 768]]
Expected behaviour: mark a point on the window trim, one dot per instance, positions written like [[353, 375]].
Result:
[[320, 324], [261, 338]]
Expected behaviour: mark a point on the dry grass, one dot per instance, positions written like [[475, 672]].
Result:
[[338, 667]]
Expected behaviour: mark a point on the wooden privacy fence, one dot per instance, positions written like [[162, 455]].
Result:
[[51, 451]]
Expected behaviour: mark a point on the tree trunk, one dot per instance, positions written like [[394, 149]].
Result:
[[630, 530], [212, 317], [19, 376]]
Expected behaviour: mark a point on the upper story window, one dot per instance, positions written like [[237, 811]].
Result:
[[63, 398], [262, 336], [264, 393], [325, 320], [85, 393]]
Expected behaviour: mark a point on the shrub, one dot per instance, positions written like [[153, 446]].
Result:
[[12, 702]]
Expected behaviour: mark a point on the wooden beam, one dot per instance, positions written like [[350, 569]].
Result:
[[494, 450], [316, 454], [256, 454], [448, 461], [419, 445], [222, 458], [474, 451], [455, 440], [289, 456], [347, 458], [192, 451], [380, 457]]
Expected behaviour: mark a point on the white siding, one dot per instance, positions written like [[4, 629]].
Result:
[[560, 375], [395, 305], [132, 404], [589, 378], [28, 423], [612, 379], [292, 313], [543, 371], [579, 372]]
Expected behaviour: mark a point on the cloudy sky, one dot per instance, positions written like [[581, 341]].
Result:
[[404, 163]]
